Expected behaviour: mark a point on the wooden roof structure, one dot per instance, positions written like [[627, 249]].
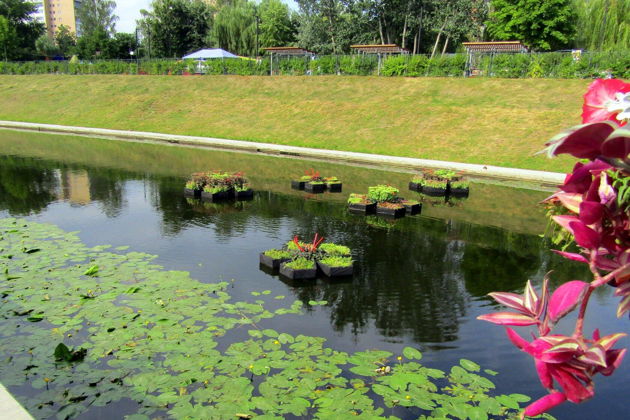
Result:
[[288, 51], [379, 49], [495, 47]]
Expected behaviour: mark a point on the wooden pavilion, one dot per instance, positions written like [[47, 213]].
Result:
[[381, 50], [279, 52], [474, 50]]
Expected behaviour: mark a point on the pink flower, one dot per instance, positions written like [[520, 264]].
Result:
[[606, 100]]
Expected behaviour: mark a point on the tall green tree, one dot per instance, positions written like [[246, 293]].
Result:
[[23, 30], [604, 24], [235, 28], [97, 16], [46, 46], [277, 26], [173, 28], [66, 41], [8, 37], [540, 24]]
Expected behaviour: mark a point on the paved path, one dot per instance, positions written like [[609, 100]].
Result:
[[549, 178], [10, 408]]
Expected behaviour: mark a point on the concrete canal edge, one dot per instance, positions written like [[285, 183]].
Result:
[[10, 408], [378, 161]]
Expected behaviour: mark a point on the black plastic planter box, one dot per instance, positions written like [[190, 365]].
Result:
[[314, 188], [188, 192], [292, 274], [330, 271], [415, 186], [222, 195], [412, 209], [362, 208], [297, 184], [433, 191], [459, 192], [386, 211], [334, 187], [271, 262], [244, 195]]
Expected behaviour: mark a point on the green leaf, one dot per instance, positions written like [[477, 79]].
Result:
[[92, 271], [411, 353], [469, 366]]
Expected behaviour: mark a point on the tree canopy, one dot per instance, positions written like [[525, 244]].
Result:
[[541, 25]]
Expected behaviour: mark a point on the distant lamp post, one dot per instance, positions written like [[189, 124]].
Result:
[[132, 53]]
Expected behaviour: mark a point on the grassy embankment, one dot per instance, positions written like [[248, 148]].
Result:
[[489, 121]]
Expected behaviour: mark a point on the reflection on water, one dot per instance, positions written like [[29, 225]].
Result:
[[419, 280]]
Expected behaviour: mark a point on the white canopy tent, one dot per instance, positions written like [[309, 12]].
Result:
[[210, 53]]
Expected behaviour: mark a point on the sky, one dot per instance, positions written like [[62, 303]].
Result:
[[128, 12]]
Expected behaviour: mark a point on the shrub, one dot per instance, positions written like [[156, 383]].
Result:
[[382, 193]]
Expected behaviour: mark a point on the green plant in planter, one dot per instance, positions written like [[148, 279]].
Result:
[[277, 254], [242, 187], [292, 246], [445, 174], [463, 185], [301, 263], [334, 249], [359, 199], [192, 185], [382, 193], [337, 261], [213, 189], [434, 183]]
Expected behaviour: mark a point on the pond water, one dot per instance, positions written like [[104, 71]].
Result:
[[419, 281]]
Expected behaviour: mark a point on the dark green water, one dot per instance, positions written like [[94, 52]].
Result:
[[419, 281]]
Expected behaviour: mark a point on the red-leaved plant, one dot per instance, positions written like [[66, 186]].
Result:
[[309, 248], [594, 204]]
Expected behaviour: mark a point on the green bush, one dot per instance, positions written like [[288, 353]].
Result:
[[543, 65]]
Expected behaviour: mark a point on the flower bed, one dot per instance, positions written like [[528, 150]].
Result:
[[299, 260], [218, 185], [312, 182]]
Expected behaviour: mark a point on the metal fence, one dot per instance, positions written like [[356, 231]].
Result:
[[533, 65]]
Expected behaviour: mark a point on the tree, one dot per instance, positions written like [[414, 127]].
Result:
[[23, 30], [66, 41], [7, 36], [175, 27], [277, 26], [96, 16], [539, 24], [46, 46], [235, 28], [604, 24]]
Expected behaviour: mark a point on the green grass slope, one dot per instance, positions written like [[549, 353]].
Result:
[[490, 121]]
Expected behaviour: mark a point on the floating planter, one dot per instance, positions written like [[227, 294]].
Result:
[[272, 258], [217, 185], [333, 184], [312, 182], [390, 209], [215, 193], [459, 188], [434, 187], [439, 182], [299, 260], [299, 269], [194, 185], [411, 206], [360, 203], [315, 187], [334, 266]]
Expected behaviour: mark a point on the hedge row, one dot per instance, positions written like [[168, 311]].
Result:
[[547, 65]]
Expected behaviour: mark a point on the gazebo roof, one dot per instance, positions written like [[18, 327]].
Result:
[[495, 46], [209, 53], [379, 49], [288, 51]]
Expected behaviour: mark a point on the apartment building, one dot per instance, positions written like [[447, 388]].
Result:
[[55, 13]]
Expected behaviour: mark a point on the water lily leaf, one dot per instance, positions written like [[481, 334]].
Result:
[[411, 353], [92, 271], [469, 366]]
